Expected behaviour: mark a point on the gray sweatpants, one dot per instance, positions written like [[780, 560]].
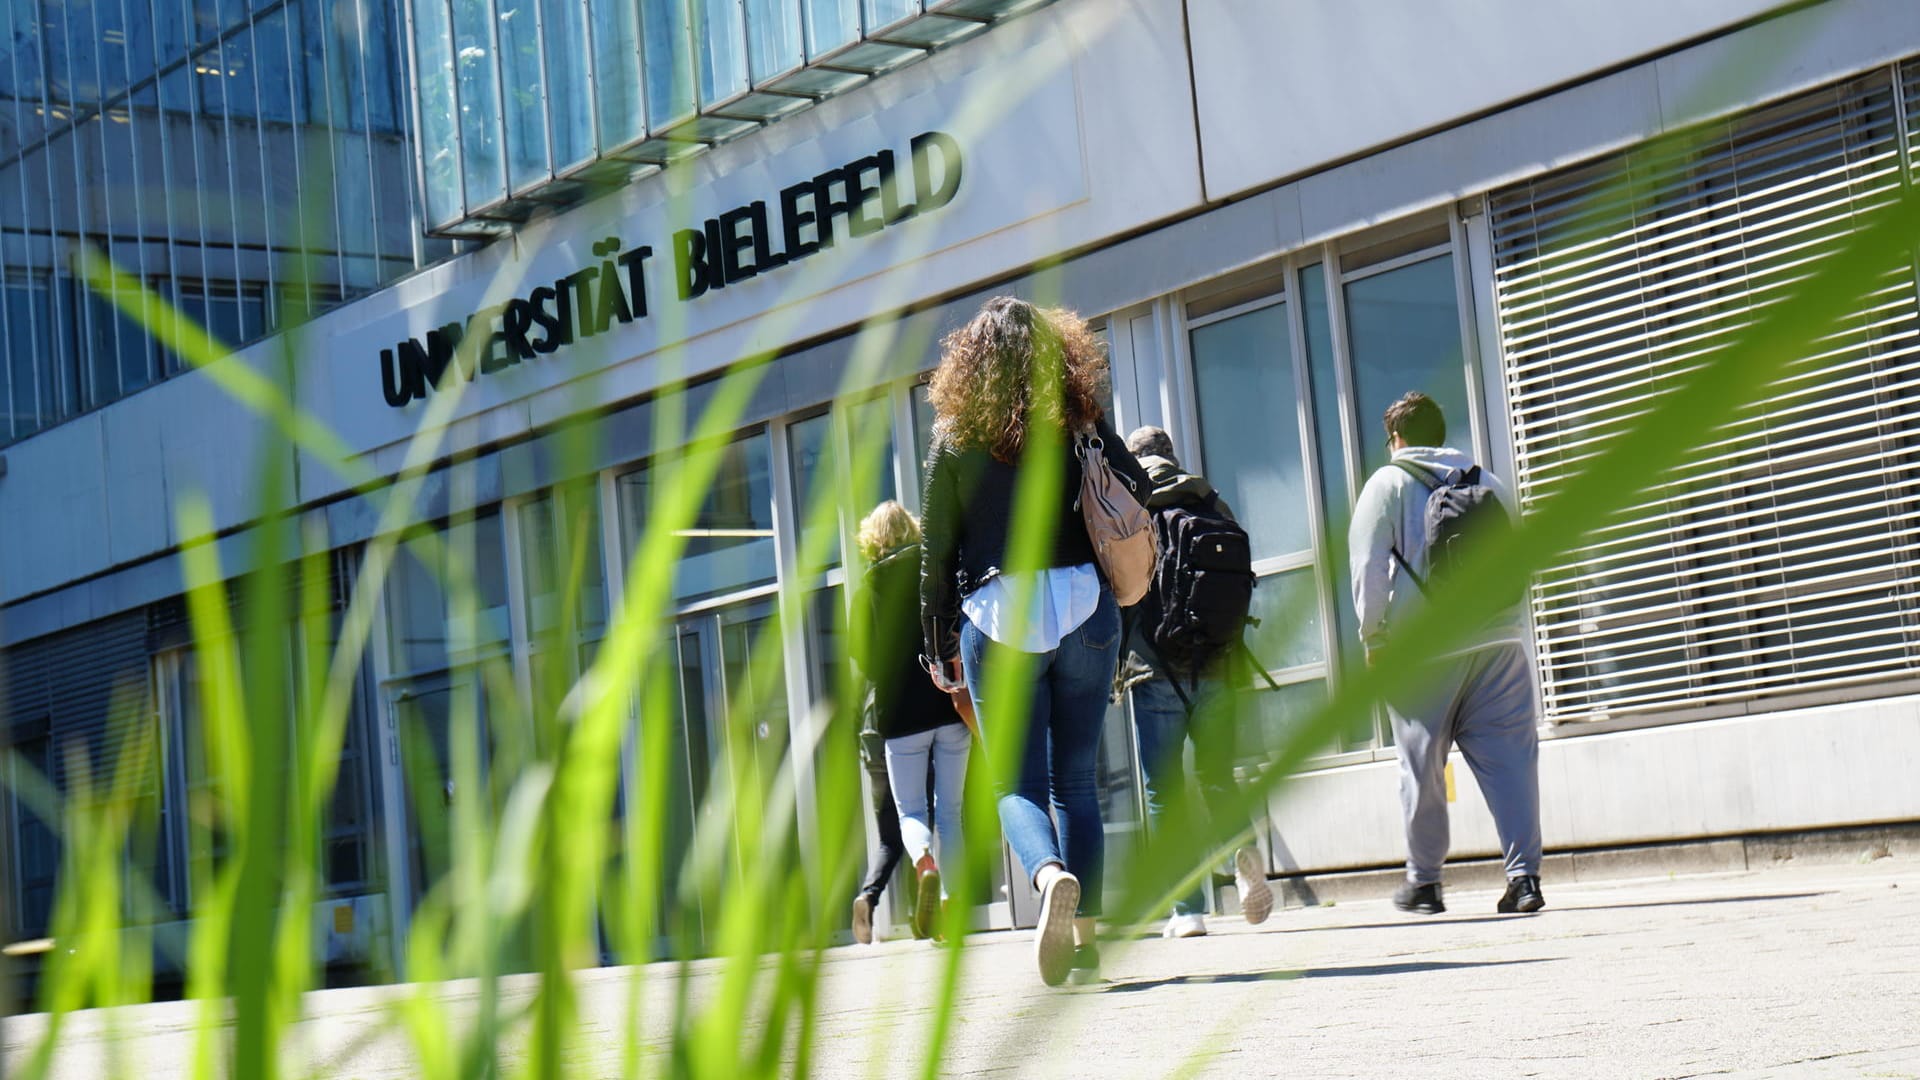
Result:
[[1484, 703]]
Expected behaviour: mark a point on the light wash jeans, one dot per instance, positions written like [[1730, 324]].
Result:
[[907, 755]]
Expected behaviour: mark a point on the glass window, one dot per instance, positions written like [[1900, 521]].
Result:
[[831, 24], [616, 69], [722, 49], [885, 12], [36, 847], [1403, 327], [429, 624], [439, 128], [1249, 426], [28, 313], [1288, 607], [479, 102], [564, 22], [815, 492], [669, 62], [773, 36], [729, 543], [1273, 716], [870, 437], [526, 104], [560, 542]]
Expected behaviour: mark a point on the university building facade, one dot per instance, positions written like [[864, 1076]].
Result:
[[1280, 217]]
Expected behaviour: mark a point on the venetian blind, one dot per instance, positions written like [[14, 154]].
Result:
[[1781, 555]]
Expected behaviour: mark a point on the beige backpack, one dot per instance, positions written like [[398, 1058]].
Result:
[[1120, 528]]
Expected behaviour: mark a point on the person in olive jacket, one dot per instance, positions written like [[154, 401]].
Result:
[[915, 719]]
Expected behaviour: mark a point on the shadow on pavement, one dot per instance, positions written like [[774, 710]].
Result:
[[1356, 970], [1448, 920]]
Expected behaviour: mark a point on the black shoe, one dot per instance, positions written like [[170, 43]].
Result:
[[1424, 899], [1523, 896]]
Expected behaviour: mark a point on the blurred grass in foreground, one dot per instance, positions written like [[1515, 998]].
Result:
[[550, 861]]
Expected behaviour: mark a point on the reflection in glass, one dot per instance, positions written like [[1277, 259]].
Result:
[[427, 628], [721, 42], [773, 41], [526, 105], [564, 24], [616, 71], [439, 128], [814, 492], [831, 24], [479, 102], [669, 61], [1334, 461], [1249, 426], [1288, 607], [870, 435], [1271, 717], [729, 544], [1403, 327]]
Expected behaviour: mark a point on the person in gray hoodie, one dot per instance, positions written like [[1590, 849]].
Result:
[[1164, 721], [1482, 701]]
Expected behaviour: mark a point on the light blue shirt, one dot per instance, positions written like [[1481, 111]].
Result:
[[1065, 598]]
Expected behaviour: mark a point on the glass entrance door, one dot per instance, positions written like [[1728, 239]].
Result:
[[728, 740], [445, 754]]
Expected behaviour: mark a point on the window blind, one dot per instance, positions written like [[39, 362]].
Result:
[[1781, 555]]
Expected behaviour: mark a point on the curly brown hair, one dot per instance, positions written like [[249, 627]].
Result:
[[1012, 366]]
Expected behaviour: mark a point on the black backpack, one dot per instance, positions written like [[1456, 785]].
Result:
[[1462, 512], [1202, 588]]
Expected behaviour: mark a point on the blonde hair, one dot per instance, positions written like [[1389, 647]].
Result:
[[888, 528]]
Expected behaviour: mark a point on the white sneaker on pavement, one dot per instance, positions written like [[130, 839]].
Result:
[[1053, 938], [1185, 926], [1256, 896]]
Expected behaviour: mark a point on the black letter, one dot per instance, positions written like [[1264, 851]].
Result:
[[861, 196], [690, 260], [793, 218], [763, 257], [632, 259], [581, 280], [825, 205], [613, 302], [890, 206], [556, 335], [402, 384], [716, 276], [731, 244], [515, 321], [932, 198]]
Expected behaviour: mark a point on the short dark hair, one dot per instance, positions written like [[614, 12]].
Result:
[[1417, 419]]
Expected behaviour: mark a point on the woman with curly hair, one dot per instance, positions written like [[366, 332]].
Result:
[[1016, 387]]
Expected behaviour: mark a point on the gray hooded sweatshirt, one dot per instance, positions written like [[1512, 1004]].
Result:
[[1392, 513]]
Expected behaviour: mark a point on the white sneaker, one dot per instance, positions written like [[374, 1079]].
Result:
[[1185, 926], [1256, 896], [1053, 938]]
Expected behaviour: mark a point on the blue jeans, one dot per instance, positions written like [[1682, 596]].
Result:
[[907, 757], [1057, 764], [1164, 728]]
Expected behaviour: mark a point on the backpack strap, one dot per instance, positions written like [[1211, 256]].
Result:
[[1427, 479]]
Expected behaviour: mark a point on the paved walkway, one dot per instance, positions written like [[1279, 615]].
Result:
[[1800, 971]]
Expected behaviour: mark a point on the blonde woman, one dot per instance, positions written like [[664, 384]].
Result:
[[923, 735], [1012, 371]]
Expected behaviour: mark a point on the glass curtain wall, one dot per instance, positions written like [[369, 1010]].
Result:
[[247, 164], [532, 102], [1293, 366]]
